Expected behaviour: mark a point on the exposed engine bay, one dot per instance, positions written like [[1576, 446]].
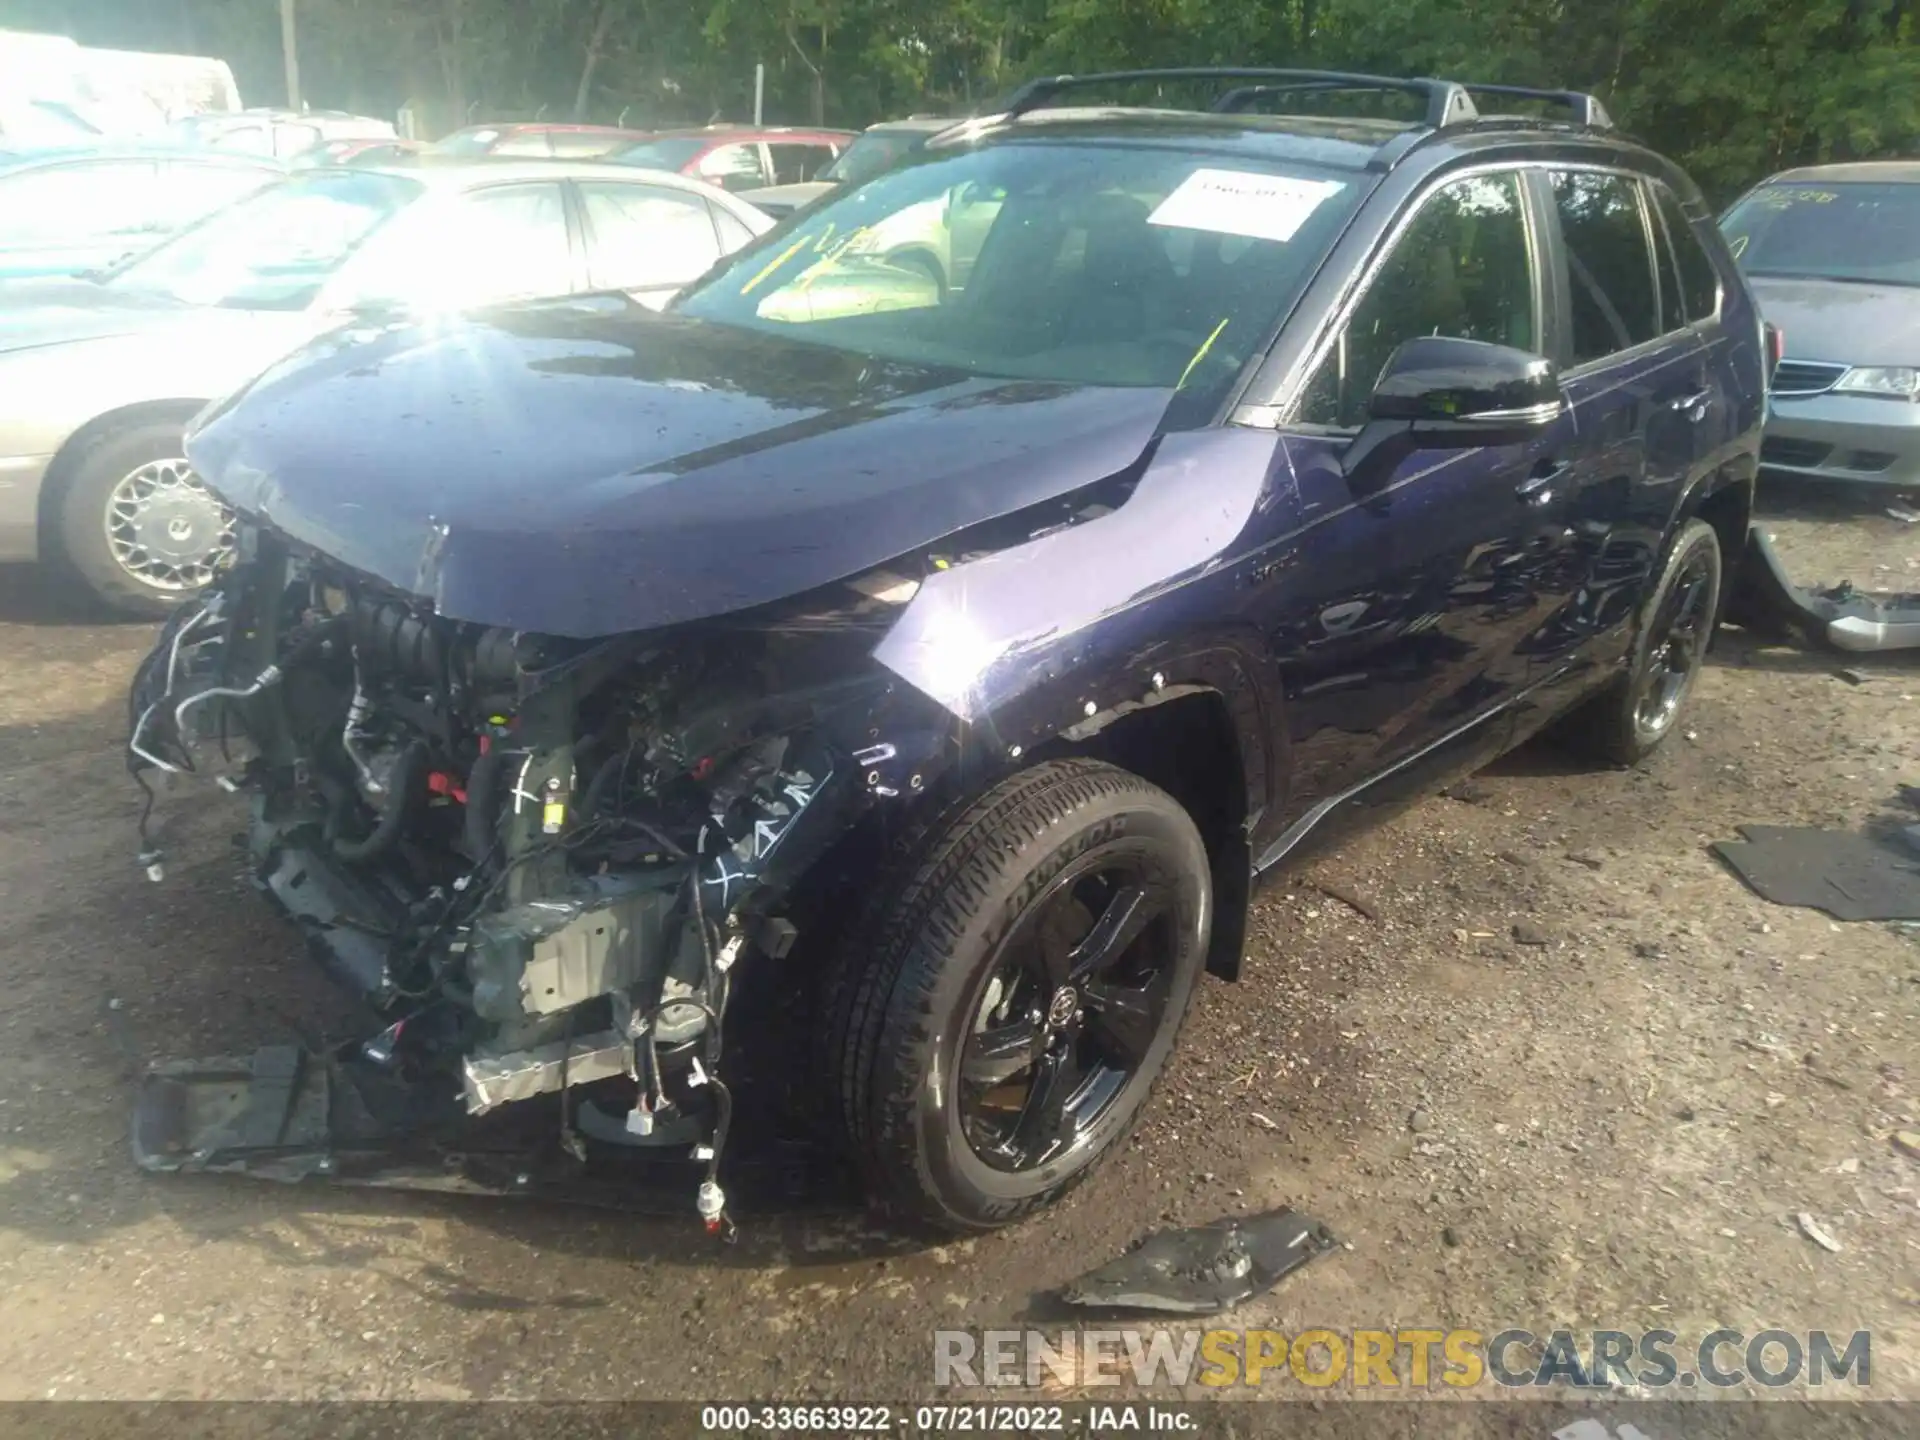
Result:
[[541, 858]]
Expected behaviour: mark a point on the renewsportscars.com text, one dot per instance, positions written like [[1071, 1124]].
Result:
[[1404, 1358]]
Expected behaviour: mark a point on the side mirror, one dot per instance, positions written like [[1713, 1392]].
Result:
[[1436, 392], [1466, 389]]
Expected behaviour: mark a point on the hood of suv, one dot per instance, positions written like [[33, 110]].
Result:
[[1843, 321], [586, 468]]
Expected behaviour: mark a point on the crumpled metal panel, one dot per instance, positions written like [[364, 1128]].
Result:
[[488, 1081], [972, 636]]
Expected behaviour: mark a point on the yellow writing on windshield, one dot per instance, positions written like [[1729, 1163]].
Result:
[[1781, 197], [774, 264], [1201, 353]]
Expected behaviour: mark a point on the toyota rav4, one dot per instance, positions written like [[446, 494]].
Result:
[[941, 660]]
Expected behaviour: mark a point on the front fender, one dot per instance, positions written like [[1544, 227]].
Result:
[[1027, 643]]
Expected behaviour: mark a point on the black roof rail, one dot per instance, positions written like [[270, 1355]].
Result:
[[1447, 103], [1586, 109]]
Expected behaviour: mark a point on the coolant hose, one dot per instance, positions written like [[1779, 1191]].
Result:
[[409, 777]]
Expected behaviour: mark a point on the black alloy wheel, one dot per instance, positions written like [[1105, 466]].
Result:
[[1677, 641], [1068, 1013], [1624, 723], [997, 1016]]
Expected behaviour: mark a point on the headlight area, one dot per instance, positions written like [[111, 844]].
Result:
[[542, 859], [1889, 382]]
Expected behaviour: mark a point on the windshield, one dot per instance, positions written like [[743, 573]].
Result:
[[1090, 264], [275, 249], [670, 154], [872, 153], [44, 122], [1847, 231]]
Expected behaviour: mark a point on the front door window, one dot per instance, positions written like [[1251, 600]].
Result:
[[1461, 269]]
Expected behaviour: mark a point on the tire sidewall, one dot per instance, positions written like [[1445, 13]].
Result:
[[83, 550], [1694, 536], [976, 1193]]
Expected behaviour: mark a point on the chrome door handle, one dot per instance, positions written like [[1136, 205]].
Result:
[[1537, 488], [1694, 407]]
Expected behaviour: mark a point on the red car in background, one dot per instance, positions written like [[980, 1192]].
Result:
[[536, 139], [739, 157]]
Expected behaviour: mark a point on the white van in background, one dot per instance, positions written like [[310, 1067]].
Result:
[[54, 91]]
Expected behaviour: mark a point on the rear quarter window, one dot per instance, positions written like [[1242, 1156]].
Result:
[[1609, 267], [1699, 278]]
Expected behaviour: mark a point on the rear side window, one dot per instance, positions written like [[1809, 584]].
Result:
[[732, 167], [586, 144], [1462, 269], [793, 163], [1673, 304], [733, 234], [1699, 280], [1609, 269], [644, 237], [527, 142]]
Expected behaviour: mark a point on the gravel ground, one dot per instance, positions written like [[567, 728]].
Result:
[[1567, 1071]]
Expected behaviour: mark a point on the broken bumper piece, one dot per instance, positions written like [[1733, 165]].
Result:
[[1206, 1269], [1840, 618], [287, 1114]]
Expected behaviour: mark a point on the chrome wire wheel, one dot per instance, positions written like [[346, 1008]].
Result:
[[165, 529], [1676, 644]]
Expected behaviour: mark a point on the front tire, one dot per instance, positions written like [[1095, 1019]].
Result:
[[995, 1020], [136, 528], [1626, 722]]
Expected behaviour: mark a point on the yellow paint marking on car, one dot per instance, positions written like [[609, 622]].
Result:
[[774, 264], [1201, 353]]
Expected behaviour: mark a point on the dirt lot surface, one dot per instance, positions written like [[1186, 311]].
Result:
[[1567, 1072]]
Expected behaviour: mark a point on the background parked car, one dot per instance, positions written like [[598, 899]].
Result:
[[875, 149], [62, 212], [36, 123], [361, 152], [280, 133], [98, 377], [1833, 254], [740, 158], [568, 142]]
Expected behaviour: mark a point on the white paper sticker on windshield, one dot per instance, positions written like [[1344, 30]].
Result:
[[1239, 202]]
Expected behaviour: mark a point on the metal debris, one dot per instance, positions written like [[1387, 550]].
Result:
[[1810, 1228], [1206, 1269]]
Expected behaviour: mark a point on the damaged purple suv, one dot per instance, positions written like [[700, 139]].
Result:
[[906, 667]]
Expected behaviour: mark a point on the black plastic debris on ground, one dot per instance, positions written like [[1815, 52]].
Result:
[[1851, 877], [1205, 1269], [289, 1115]]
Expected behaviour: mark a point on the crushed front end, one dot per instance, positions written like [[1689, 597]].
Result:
[[540, 859]]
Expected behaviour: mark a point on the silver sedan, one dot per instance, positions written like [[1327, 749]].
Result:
[[1833, 255], [99, 377]]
